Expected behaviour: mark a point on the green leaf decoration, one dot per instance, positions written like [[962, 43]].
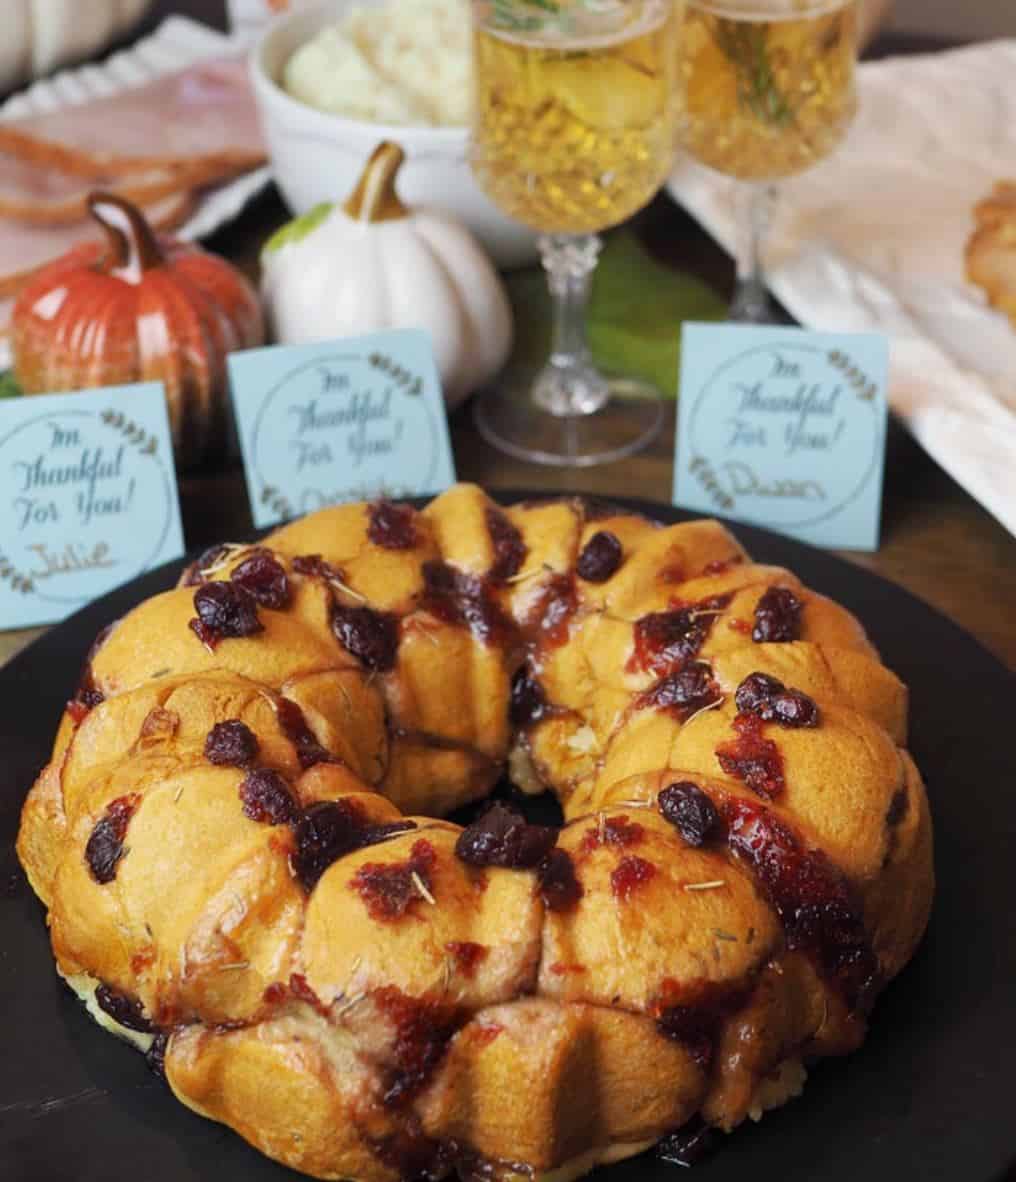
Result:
[[855, 376], [635, 314], [298, 228], [409, 383], [138, 436], [276, 501], [9, 387], [17, 580]]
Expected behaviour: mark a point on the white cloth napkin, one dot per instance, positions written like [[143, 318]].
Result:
[[873, 239]]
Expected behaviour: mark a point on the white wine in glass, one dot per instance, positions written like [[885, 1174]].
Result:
[[767, 90], [573, 132]]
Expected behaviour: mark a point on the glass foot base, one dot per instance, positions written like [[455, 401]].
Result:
[[508, 419], [751, 304]]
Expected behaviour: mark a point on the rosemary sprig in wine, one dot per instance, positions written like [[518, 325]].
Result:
[[508, 14], [746, 46]]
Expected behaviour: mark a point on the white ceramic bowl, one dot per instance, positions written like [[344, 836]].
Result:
[[317, 156]]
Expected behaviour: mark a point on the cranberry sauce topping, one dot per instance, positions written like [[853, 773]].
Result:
[[561, 968], [330, 829], [618, 832], [559, 888], [196, 573], [264, 578], [155, 1056], [696, 1022], [664, 641], [231, 743], [125, 1010], [503, 837], [85, 700], [392, 526], [509, 548], [753, 758], [390, 889], [777, 617], [88, 695], [294, 726], [411, 1155], [528, 703], [467, 956], [684, 693], [422, 1030], [550, 618], [159, 726], [224, 611], [820, 911], [628, 875], [300, 988], [485, 1033], [371, 636], [771, 700], [600, 558], [691, 812], [266, 797], [313, 566], [104, 848], [143, 960], [462, 599], [688, 1145], [720, 566]]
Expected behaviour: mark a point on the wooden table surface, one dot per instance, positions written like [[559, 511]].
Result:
[[936, 540]]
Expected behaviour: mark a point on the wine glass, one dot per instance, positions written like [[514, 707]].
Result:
[[573, 131], [767, 90]]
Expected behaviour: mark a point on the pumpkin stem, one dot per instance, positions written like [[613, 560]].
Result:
[[374, 199], [133, 246]]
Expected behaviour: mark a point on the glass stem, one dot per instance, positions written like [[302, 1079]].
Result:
[[751, 303], [569, 385]]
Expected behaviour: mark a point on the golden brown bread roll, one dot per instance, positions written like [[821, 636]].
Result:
[[239, 836], [991, 248]]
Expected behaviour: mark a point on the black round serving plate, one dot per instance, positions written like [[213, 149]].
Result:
[[929, 1096]]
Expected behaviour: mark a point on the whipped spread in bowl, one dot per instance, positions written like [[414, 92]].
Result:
[[406, 63]]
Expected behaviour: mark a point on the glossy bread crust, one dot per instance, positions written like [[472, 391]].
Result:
[[240, 845]]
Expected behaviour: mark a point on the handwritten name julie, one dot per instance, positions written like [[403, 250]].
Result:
[[73, 559]]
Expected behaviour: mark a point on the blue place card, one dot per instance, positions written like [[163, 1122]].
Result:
[[88, 497], [343, 420], [784, 428]]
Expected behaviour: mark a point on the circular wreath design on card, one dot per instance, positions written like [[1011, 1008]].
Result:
[[794, 419], [339, 441], [73, 481]]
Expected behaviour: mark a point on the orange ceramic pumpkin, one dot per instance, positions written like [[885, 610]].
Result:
[[138, 309]]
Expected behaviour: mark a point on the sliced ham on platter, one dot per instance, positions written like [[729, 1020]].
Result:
[[160, 145], [204, 112]]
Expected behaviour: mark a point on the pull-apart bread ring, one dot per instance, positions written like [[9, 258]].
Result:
[[241, 843]]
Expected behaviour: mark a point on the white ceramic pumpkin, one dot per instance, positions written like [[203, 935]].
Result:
[[372, 264], [39, 35]]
